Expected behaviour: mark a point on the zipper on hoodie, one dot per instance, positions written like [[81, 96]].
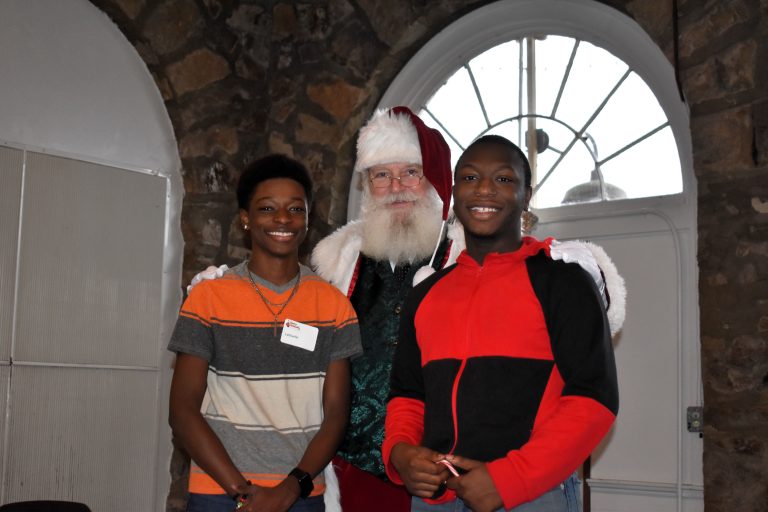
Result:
[[460, 372]]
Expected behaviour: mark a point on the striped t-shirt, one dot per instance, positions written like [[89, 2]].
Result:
[[264, 397]]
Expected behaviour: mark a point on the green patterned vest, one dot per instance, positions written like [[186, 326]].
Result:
[[377, 298]]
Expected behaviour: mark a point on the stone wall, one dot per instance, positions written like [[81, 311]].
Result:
[[723, 51], [243, 78]]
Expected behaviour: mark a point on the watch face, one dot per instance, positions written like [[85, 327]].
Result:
[[305, 481]]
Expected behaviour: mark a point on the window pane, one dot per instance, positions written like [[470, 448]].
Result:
[[594, 73], [455, 106], [552, 56], [630, 114], [651, 168], [455, 149], [575, 168], [510, 130], [498, 80]]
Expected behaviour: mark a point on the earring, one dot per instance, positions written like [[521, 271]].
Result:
[[529, 222], [245, 227]]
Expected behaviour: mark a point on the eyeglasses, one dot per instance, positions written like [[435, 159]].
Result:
[[383, 179]]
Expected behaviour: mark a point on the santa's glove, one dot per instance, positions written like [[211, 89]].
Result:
[[574, 251], [209, 273]]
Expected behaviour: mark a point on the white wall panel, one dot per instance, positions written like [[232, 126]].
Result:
[[90, 264], [81, 434], [646, 352], [11, 165]]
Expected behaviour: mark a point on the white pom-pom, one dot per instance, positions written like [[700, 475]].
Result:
[[423, 273]]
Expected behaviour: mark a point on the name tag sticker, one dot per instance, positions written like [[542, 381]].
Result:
[[299, 335]]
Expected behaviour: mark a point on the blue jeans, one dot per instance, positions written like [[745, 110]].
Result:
[[563, 498], [223, 503]]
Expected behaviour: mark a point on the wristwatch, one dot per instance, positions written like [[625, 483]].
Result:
[[305, 481]]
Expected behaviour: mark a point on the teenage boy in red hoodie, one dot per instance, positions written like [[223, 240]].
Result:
[[505, 367]]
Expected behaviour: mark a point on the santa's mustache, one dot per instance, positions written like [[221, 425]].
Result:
[[396, 197]]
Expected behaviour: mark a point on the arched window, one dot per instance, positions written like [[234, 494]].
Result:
[[594, 101], [582, 76], [588, 121]]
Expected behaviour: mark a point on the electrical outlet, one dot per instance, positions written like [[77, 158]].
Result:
[[695, 417]]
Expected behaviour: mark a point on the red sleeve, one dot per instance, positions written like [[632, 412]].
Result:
[[404, 423], [568, 437]]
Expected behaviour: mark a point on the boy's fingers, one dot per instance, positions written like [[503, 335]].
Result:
[[464, 463]]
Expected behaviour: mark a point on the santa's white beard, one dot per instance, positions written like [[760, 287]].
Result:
[[401, 236]]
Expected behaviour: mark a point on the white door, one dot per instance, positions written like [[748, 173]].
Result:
[[649, 460]]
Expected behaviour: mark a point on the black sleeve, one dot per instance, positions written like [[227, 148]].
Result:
[[578, 329]]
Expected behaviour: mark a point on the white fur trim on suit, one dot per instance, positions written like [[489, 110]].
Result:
[[331, 496], [335, 256], [387, 139], [614, 283]]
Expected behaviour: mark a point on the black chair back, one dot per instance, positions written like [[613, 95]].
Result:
[[44, 506]]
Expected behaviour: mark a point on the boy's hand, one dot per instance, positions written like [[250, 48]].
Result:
[[269, 499], [417, 467], [475, 487]]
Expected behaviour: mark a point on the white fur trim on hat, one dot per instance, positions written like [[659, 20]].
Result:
[[387, 139]]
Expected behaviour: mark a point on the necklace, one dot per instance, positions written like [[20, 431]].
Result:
[[268, 303]]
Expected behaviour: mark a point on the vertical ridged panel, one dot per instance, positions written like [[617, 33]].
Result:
[[90, 264], [5, 375], [11, 162], [83, 434]]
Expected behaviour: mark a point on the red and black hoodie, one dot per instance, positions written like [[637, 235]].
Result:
[[510, 363]]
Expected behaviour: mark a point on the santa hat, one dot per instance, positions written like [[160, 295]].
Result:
[[398, 135]]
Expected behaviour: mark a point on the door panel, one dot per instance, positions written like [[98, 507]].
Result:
[[648, 461]]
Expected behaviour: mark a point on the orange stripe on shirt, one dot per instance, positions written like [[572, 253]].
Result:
[[315, 303], [201, 483]]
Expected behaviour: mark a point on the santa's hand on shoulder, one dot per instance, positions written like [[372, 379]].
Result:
[[572, 251], [598, 264], [211, 272]]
